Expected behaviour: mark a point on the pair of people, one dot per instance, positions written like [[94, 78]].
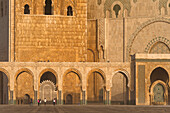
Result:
[[39, 102], [45, 101]]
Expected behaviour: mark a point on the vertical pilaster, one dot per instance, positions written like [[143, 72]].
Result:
[[35, 97], [84, 102], [60, 101], [11, 97], [107, 97]]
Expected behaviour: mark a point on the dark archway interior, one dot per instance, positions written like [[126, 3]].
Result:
[[69, 11], [69, 99], [117, 8], [48, 7], [48, 76], [26, 9], [159, 74], [71, 88], [3, 88], [26, 99]]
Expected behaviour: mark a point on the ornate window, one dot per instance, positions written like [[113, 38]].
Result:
[[48, 7], [116, 8], [69, 11], [26, 9], [159, 48], [1, 9]]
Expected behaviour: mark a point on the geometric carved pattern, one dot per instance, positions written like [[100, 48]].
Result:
[[108, 4], [162, 3], [132, 38], [159, 45], [159, 48], [101, 32], [47, 90], [158, 91]]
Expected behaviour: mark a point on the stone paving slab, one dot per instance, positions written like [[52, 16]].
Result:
[[83, 109]]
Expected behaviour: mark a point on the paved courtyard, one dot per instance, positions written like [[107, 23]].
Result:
[[83, 109]]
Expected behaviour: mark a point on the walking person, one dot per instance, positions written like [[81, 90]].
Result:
[[38, 102], [54, 101], [45, 100]]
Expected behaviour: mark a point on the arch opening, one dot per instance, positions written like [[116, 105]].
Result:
[[159, 74], [69, 11], [119, 81], [48, 87], [48, 76], [24, 87], [71, 88], [48, 7], [95, 88], [4, 89], [116, 9], [26, 9], [69, 99], [27, 99], [159, 89]]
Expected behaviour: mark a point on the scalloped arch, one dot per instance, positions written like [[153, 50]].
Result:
[[140, 28], [157, 39], [108, 4]]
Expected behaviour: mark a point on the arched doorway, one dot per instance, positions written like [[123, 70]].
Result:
[[158, 91], [27, 99], [3, 88], [69, 99], [24, 86], [119, 90], [48, 87], [159, 87], [71, 87], [96, 87]]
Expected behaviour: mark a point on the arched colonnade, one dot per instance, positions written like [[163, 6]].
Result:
[[76, 83]]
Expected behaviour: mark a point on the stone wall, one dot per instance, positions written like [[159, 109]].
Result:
[[56, 38]]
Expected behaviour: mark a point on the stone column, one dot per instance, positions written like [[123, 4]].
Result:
[[35, 97], [11, 97], [84, 98], [107, 97], [60, 101]]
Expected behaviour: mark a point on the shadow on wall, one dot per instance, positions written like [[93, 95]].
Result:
[[3, 88], [119, 99]]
